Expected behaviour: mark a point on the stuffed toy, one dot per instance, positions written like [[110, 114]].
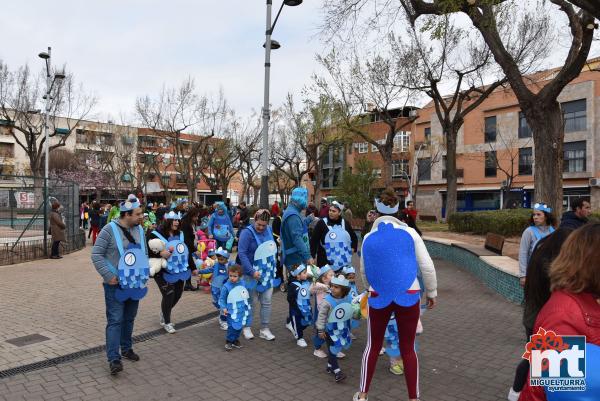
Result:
[[156, 264]]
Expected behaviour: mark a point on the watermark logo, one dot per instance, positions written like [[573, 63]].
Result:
[[556, 362]]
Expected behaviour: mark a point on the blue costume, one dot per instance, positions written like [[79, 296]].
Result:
[[303, 301], [392, 341], [177, 264], [219, 276], [220, 226], [133, 268], [234, 298], [294, 231], [338, 245], [338, 324], [264, 262]]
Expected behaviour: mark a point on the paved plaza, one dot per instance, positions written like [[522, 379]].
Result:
[[470, 347]]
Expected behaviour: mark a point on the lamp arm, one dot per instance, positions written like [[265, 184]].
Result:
[[276, 18]]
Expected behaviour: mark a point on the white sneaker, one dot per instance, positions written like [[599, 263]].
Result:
[[266, 334], [162, 319], [341, 355], [301, 343], [319, 353], [513, 395], [291, 329], [170, 328], [247, 331], [223, 324]]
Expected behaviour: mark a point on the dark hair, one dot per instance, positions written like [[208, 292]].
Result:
[[187, 218], [389, 198], [577, 203], [235, 269], [345, 290], [537, 283], [127, 213], [550, 219], [165, 227], [576, 268], [410, 203]]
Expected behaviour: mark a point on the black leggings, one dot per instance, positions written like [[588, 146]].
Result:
[[171, 294], [522, 369]]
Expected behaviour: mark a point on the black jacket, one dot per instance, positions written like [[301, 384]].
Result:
[[318, 238], [570, 220], [244, 217], [188, 237]]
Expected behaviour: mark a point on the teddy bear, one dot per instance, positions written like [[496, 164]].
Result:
[[156, 264]]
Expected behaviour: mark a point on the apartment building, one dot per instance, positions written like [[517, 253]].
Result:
[[497, 134]]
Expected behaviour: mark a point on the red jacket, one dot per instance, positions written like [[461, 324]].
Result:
[[566, 314]]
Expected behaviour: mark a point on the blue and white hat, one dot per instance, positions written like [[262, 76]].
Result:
[[131, 203], [222, 252], [211, 252], [542, 207], [324, 270], [301, 267], [341, 281], [172, 216], [348, 270], [384, 209], [337, 205]]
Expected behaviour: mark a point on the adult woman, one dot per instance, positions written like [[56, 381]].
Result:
[[170, 281], [220, 227], [574, 306], [542, 223], [537, 293], [257, 254], [333, 239], [393, 254], [57, 230], [94, 221], [188, 228]]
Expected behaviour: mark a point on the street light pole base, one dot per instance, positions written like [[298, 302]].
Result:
[[264, 192]]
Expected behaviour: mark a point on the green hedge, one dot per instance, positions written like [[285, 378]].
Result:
[[595, 217], [507, 222]]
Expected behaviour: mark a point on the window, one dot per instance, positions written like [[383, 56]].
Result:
[[126, 177], [401, 142], [424, 166], [180, 179], [524, 130], [575, 115], [377, 173], [7, 150], [363, 147], [574, 157], [399, 168], [127, 140], [325, 176], [337, 176], [525, 161], [490, 129], [490, 164], [427, 134]]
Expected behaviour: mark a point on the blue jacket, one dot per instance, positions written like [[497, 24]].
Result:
[[293, 228], [223, 220], [247, 246], [219, 274]]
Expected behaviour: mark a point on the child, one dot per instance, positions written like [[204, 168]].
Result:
[[234, 304], [298, 298], [219, 276], [333, 323], [392, 347], [319, 289], [350, 274]]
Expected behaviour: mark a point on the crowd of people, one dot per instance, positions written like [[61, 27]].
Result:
[[274, 249], [308, 253]]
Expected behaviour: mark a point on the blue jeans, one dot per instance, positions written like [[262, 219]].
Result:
[[119, 323], [264, 298], [232, 334]]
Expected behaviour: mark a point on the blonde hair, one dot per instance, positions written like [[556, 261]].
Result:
[[576, 268]]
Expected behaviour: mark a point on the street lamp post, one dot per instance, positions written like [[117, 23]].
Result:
[[46, 56], [266, 111]]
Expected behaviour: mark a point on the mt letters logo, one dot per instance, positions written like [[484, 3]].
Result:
[[556, 362]]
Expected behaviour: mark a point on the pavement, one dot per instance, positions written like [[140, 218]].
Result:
[[470, 347]]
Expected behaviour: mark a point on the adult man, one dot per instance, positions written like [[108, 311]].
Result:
[[409, 216], [119, 256], [244, 215], [324, 210], [57, 230], [257, 254], [578, 216]]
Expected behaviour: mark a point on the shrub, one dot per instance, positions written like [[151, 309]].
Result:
[[595, 217], [507, 222]]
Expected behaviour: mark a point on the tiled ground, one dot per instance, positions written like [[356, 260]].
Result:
[[470, 347]]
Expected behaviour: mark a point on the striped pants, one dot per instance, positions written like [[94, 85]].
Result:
[[406, 319]]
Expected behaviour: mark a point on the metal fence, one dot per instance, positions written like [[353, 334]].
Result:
[[22, 217]]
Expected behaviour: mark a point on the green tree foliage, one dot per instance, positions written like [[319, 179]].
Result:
[[356, 187]]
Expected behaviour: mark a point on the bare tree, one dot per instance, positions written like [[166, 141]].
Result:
[[21, 100], [248, 148], [364, 89]]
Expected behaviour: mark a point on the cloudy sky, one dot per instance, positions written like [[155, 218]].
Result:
[[127, 48]]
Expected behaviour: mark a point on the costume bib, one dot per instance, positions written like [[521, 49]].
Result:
[[219, 276], [390, 264], [133, 268], [303, 301], [265, 261], [221, 232], [338, 324], [238, 307], [177, 264], [338, 246]]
